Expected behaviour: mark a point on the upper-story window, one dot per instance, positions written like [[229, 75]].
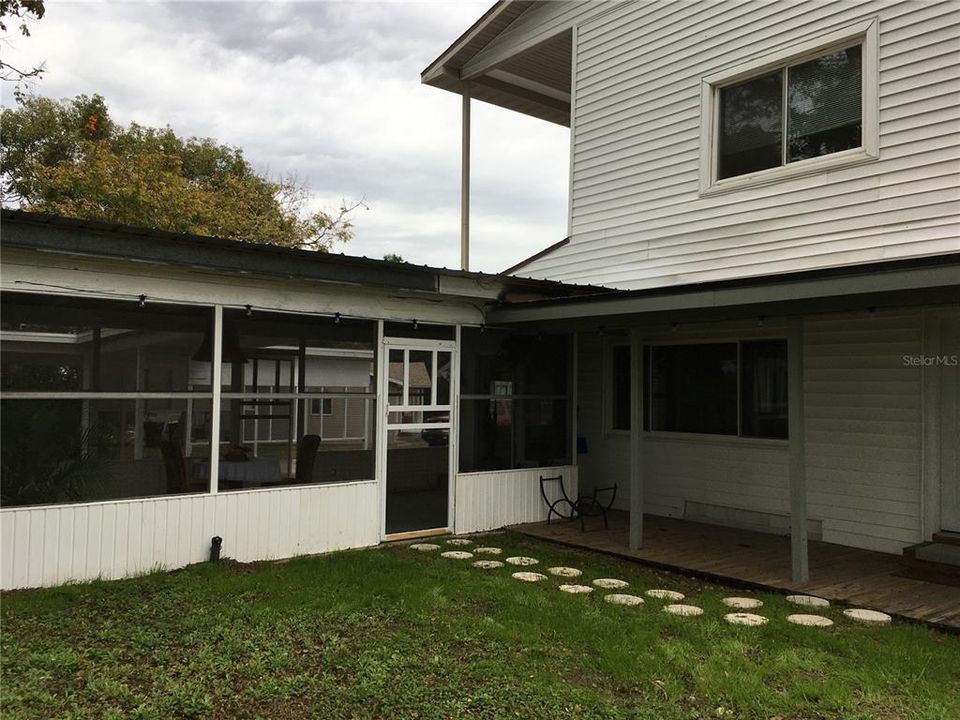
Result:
[[796, 112], [803, 109]]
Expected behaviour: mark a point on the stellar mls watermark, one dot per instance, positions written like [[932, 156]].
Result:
[[931, 360]]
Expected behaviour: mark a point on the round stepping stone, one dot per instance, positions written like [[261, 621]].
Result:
[[610, 583], [424, 547], [808, 601], [811, 620], [562, 571], [621, 599], [528, 576], [576, 589], [487, 564], [686, 610], [521, 560], [743, 603], [745, 619], [869, 617], [487, 550], [665, 594], [457, 555], [459, 541]]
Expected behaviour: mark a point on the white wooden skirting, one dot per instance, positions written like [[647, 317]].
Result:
[[43, 546], [490, 500]]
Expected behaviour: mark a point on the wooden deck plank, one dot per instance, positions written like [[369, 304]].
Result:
[[838, 573]]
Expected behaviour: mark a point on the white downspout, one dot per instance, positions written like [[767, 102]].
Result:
[[465, 181]]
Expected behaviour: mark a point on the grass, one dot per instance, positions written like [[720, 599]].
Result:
[[392, 633]]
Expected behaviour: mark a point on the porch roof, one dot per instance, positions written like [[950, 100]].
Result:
[[933, 279], [88, 238]]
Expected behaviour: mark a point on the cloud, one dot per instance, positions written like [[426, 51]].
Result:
[[329, 92]]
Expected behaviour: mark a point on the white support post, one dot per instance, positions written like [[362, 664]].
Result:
[[454, 434], [380, 425], [800, 566], [636, 439], [215, 368], [465, 181]]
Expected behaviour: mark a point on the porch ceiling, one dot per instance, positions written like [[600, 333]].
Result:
[[535, 81]]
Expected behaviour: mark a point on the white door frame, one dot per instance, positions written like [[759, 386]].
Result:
[[384, 346], [932, 384]]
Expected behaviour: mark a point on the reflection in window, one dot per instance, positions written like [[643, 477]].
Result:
[[823, 100], [751, 125], [763, 392], [693, 388], [823, 114]]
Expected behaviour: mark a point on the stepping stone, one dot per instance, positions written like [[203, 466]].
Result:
[[457, 555], [424, 547], [610, 583], [487, 564], [459, 541], [745, 619], [620, 599], [868, 617], [812, 620], [743, 603], [562, 571], [808, 601], [487, 550], [521, 560], [528, 576], [665, 594], [576, 589], [687, 610]]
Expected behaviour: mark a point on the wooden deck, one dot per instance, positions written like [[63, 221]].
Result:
[[747, 558]]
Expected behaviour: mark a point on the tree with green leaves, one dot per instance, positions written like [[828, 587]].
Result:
[[70, 158], [21, 11]]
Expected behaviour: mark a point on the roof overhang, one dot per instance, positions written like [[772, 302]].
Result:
[[931, 280], [534, 80], [85, 238]]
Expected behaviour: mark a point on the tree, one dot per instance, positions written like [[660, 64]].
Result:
[[70, 158], [21, 10], [393, 257]]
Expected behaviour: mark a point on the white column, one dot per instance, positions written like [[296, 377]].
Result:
[[216, 357], [465, 181], [798, 475], [380, 425], [636, 439], [574, 397]]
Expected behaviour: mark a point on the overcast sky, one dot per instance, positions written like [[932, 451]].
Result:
[[329, 91]]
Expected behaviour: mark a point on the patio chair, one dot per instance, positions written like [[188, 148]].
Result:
[[593, 506], [552, 505], [307, 448]]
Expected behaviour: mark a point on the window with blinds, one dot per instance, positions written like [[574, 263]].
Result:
[[800, 111]]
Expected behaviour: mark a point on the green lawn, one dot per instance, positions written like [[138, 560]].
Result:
[[393, 633]]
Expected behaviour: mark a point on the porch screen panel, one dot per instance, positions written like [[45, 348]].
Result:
[[298, 400], [102, 399], [514, 408]]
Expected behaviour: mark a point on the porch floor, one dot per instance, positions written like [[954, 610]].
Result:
[[745, 557]]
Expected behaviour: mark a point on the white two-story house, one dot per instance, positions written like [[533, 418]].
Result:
[[776, 185]]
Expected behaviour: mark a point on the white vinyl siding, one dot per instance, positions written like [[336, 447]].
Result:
[[56, 544], [863, 430], [638, 219], [495, 499]]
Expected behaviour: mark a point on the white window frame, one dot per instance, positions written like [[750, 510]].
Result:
[[864, 33], [322, 401]]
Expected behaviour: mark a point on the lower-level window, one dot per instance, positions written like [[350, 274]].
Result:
[[729, 388]]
